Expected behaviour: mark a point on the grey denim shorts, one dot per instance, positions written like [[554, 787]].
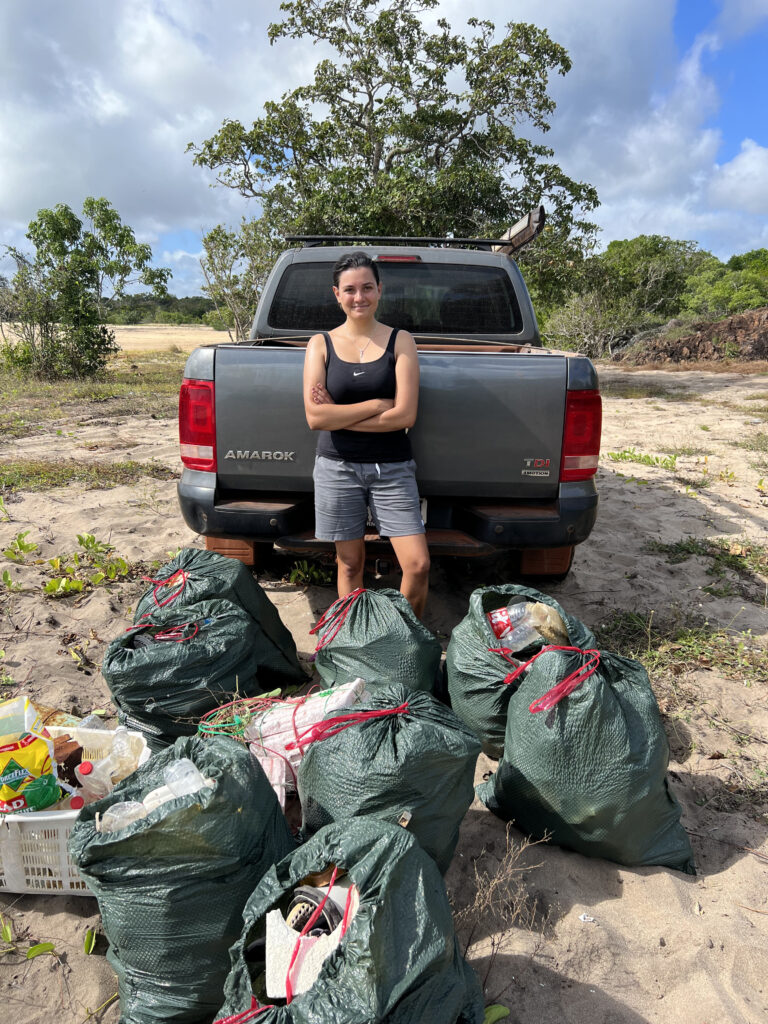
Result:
[[344, 491]]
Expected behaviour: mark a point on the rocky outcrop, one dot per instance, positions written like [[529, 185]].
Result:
[[741, 338]]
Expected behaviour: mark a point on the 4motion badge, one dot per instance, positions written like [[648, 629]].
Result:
[[535, 467]]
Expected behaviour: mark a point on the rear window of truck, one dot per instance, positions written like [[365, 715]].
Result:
[[424, 298]]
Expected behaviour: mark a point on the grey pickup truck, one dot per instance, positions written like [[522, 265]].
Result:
[[508, 433]]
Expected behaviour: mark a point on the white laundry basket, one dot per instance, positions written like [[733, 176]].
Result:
[[33, 846]]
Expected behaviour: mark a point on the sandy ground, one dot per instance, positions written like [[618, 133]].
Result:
[[662, 947], [154, 337]]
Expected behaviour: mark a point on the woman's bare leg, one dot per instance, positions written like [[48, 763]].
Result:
[[413, 555], [350, 562]]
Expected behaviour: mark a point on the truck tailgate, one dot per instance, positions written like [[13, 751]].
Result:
[[504, 444], [490, 425]]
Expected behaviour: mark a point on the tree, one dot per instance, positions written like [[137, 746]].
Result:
[[57, 296], [718, 290], [236, 265], [404, 130], [593, 323], [635, 285], [651, 270]]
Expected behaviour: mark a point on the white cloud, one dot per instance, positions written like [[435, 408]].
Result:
[[102, 99], [742, 183], [738, 17]]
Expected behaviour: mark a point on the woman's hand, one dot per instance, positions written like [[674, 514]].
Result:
[[320, 395]]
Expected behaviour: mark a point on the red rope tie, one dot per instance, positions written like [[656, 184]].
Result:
[[506, 653], [178, 579], [240, 1018], [565, 686], [176, 633], [347, 910], [335, 618], [310, 924], [296, 707], [332, 726]]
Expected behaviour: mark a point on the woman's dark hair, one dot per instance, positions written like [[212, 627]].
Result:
[[351, 261]]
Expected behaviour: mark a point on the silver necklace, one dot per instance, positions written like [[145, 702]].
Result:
[[363, 350]]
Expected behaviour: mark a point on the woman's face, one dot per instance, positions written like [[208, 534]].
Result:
[[357, 293]]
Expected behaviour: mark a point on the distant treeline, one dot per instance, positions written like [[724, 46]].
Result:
[[146, 308]]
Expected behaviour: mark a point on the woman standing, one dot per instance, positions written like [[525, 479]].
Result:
[[361, 389]]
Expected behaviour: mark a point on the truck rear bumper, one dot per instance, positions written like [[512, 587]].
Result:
[[454, 526]]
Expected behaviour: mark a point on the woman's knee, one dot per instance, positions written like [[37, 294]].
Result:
[[351, 562], [417, 565]]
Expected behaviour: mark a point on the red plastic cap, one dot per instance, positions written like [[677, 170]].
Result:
[[86, 767], [76, 803]]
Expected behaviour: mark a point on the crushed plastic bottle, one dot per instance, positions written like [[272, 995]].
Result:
[[513, 626], [156, 797], [183, 778], [121, 815], [97, 778], [523, 623], [92, 722]]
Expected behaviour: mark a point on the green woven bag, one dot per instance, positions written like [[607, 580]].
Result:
[[476, 675], [585, 761]]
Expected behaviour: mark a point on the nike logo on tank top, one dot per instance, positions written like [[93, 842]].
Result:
[[348, 383]]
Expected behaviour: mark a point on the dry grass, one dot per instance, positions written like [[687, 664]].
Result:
[[499, 903]]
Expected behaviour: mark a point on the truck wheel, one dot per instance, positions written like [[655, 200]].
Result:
[[551, 564]]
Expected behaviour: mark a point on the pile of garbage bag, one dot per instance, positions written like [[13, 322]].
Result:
[[585, 761], [180, 662], [191, 854], [172, 884], [194, 576]]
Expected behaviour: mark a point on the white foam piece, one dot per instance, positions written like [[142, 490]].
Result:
[[313, 952]]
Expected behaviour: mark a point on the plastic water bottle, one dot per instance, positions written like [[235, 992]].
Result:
[[121, 815], [513, 626], [156, 797], [122, 759], [92, 722], [97, 778], [183, 778]]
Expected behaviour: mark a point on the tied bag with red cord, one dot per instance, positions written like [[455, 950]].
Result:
[[476, 670], [585, 760], [374, 635]]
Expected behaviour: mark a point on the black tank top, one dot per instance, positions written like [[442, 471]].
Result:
[[348, 383]]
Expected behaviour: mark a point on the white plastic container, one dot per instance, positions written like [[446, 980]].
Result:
[[33, 847]]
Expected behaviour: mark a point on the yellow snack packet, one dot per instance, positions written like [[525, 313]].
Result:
[[27, 778]]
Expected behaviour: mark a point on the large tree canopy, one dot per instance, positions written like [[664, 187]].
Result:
[[406, 130]]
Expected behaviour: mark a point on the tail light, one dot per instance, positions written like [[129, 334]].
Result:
[[581, 435], [197, 425]]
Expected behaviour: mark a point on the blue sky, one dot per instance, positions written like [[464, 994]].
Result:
[[664, 111], [738, 69]]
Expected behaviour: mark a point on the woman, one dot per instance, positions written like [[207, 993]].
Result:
[[361, 389]]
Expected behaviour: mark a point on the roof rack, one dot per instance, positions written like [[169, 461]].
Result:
[[515, 238]]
